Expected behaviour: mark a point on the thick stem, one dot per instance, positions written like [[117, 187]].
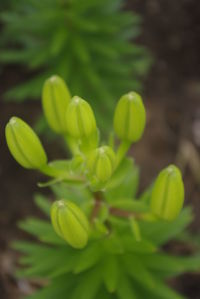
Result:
[[95, 210], [97, 205], [112, 210], [123, 213]]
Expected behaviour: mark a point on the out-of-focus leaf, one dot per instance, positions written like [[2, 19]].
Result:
[[111, 272], [124, 182]]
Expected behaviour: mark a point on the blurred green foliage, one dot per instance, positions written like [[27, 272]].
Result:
[[116, 267], [89, 43]]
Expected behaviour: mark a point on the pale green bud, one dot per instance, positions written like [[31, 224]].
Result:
[[101, 163], [55, 100], [168, 193], [70, 223], [80, 118], [24, 144], [130, 117]]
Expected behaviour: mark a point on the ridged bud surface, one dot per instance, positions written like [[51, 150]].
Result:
[[80, 118], [130, 117], [55, 100], [101, 163], [168, 194], [24, 144], [70, 223]]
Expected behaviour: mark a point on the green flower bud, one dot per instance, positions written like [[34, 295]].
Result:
[[168, 194], [101, 163], [130, 117], [80, 118], [70, 223], [55, 100], [24, 144]]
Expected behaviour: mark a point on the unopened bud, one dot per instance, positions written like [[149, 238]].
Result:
[[70, 223], [101, 163], [55, 100], [130, 117], [168, 194], [80, 118], [24, 144]]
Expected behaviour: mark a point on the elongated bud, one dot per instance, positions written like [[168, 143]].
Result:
[[101, 163], [55, 100], [130, 117], [168, 193], [70, 223], [24, 144], [80, 118]]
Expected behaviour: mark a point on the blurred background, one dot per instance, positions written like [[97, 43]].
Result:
[[150, 46]]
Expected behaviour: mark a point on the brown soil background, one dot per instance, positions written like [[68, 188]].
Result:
[[171, 30]]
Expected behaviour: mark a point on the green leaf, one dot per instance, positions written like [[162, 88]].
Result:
[[138, 272], [146, 195], [110, 271], [88, 257], [112, 244], [171, 265], [87, 285], [130, 204], [125, 288], [64, 165], [43, 230], [79, 194], [135, 228], [30, 89], [45, 261], [162, 231], [132, 245], [57, 289], [124, 181], [164, 292], [43, 203], [135, 268]]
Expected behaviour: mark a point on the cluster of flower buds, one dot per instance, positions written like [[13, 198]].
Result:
[[74, 117], [69, 116]]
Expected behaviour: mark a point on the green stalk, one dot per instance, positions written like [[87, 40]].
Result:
[[71, 144], [122, 150]]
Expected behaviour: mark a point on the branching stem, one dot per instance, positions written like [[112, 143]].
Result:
[[97, 205], [112, 210], [123, 213]]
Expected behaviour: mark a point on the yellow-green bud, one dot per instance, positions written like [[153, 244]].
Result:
[[168, 194], [130, 117], [101, 163], [80, 118], [24, 144], [70, 223], [55, 100]]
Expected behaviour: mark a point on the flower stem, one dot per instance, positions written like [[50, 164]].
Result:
[[122, 150], [71, 144]]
